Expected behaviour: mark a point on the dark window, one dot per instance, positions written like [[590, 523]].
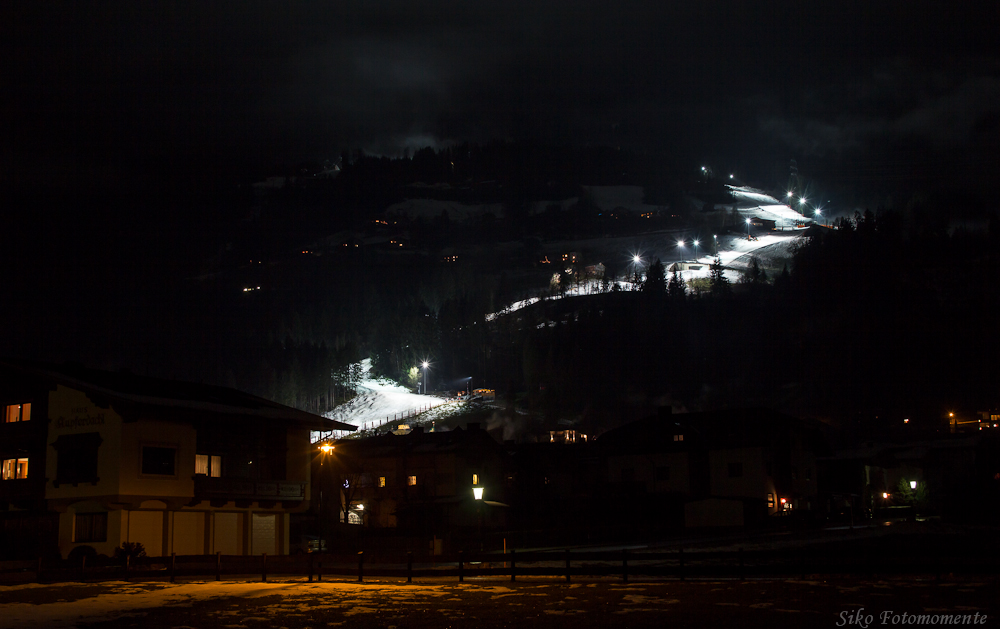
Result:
[[76, 458], [158, 460], [91, 527], [663, 472], [735, 470]]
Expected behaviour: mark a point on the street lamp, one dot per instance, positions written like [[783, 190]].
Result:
[[425, 365], [715, 239], [325, 450], [696, 243], [748, 229], [789, 194]]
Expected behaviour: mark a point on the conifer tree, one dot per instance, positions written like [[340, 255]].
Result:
[[656, 279], [718, 280], [676, 287]]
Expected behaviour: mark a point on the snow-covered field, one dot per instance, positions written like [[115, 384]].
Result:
[[380, 401], [753, 202]]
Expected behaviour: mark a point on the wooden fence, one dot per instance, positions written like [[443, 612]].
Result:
[[566, 564]]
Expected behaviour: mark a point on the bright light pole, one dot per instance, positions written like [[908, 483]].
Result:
[[819, 213], [325, 450], [424, 365], [748, 229], [696, 243], [715, 239], [477, 494]]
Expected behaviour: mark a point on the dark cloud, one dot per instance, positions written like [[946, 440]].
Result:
[[98, 90]]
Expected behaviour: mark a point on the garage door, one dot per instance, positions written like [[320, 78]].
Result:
[[146, 527]]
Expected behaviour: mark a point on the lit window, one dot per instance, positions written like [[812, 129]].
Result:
[[678, 437], [381, 481], [475, 479], [17, 413], [411, 480], [770, 501], [14, 469], [208, 465]]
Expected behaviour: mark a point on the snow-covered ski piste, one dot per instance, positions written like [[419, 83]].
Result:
[[380, 402]]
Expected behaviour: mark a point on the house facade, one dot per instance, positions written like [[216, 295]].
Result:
[[178, 467], [724, 468]]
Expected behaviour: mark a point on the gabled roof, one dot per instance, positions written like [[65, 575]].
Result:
[[715, 429], [159, 393]]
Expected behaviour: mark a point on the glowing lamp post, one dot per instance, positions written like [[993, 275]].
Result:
[[477, 494], [325, 450], [748, 229], [425, 365], [696, 243]]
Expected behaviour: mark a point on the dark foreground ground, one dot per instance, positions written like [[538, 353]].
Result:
[[496, 603]]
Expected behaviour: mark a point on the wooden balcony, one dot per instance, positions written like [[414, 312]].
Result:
[[208, 488]]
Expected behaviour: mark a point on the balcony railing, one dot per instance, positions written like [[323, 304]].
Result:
[[247, 489]]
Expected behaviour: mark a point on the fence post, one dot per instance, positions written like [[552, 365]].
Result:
[[680, 555], [319, 570], [461, 566], [409, 566], [83, 567], [263, 567], [567, 564], [126, 566], [625, 565], [513, 570], [173, 566], [741, 563], [218, 565], [361, 563], [311, 557]]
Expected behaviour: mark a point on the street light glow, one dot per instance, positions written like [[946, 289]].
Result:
[[477, 493], [802, 201], [697, 242], [636, 259], [326, 447], [789, 194], [913, 484], [680, 243], [424, 365]]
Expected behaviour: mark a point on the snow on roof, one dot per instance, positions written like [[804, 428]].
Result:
[[629, 197], [160, 392], [432, 208]]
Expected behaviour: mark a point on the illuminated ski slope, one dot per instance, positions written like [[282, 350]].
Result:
[[750, 201], [379, 399]]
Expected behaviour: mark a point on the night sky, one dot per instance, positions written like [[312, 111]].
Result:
[[151, 92], [124, 122]]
